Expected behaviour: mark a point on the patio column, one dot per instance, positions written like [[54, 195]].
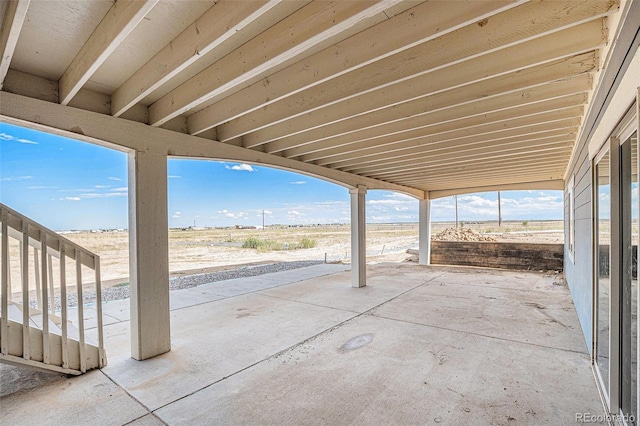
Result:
[[358, 237], [424, 231], [148, 255]]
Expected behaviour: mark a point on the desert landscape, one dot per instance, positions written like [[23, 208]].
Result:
[[193, 251]]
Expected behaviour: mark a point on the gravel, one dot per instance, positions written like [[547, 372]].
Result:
[[188, 281]]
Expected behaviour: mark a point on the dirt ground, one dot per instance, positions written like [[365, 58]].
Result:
[[208, 250]]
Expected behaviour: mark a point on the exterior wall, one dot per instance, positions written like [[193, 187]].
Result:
[[578, 268]]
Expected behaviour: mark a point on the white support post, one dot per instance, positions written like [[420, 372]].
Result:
[[424, 231], [358, 237], [148, 255]]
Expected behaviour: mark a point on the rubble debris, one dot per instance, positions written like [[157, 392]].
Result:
[[461, 234]]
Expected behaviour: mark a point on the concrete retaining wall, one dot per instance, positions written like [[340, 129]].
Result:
[[519, 256]]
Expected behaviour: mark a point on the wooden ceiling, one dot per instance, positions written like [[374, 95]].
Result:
[[432, 95]]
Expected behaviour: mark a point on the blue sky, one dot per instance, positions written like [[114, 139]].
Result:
[[67, 184]]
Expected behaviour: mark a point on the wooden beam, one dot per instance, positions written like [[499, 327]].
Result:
[[327, 137], [394, 80], [508, 159], [14, 16], [407, 162], [486, 178], [508, 163], [520, 101], [200, 38], [116, 25], [419, 24], [489, 131], [564, 128], [310, 29], [482, 152], [563, 107], [125, 135], [541, 185], [530, 77]]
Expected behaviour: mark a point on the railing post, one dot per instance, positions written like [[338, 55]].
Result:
[[96, 266], [83, 360], [36, 270], [46, 355], [24, 255], [63, 306], [52, 291], [4, 325]]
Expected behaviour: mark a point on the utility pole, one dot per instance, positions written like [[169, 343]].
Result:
[[499, 211], [456, 197]]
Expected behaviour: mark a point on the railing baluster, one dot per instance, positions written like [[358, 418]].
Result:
[[52, 290], [46, 343], [4, 324], [83, 360], [36, 268], [24, 255], [63, 306], [96, 266]]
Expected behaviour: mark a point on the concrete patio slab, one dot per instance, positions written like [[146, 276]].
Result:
[[539, 317], [212, 341], [238, 286], [418, 345], [377, 371], [88, 399]]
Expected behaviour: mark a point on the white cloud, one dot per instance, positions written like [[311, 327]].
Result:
[[232, 215], [72, 198], [7, 179], [177, 215], [114, 178], [6, 137], [174, 177], [241, 167], [120, 189], [295, 213], [42, 187], [101, 186], [103, 195], [298, 182]]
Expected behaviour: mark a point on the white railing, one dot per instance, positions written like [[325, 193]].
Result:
[[45, 292]]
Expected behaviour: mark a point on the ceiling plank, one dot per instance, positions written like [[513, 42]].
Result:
[[519, 102], [378, 163], [470, 181], [311, 28], [200, 38], [484, 179], [530, 77], [514, 151], [14, 16], [419, 24], [119, 21], [508, 162], [534, 112], [540, 185], [444, 133], [396, 80]]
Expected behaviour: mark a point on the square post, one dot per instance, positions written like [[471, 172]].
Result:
[[424, 231], [148, 255], [358, 237]]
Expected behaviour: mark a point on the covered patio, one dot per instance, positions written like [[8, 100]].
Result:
[[418, 345]]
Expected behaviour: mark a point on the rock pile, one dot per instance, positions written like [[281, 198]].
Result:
[[462, 234]]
